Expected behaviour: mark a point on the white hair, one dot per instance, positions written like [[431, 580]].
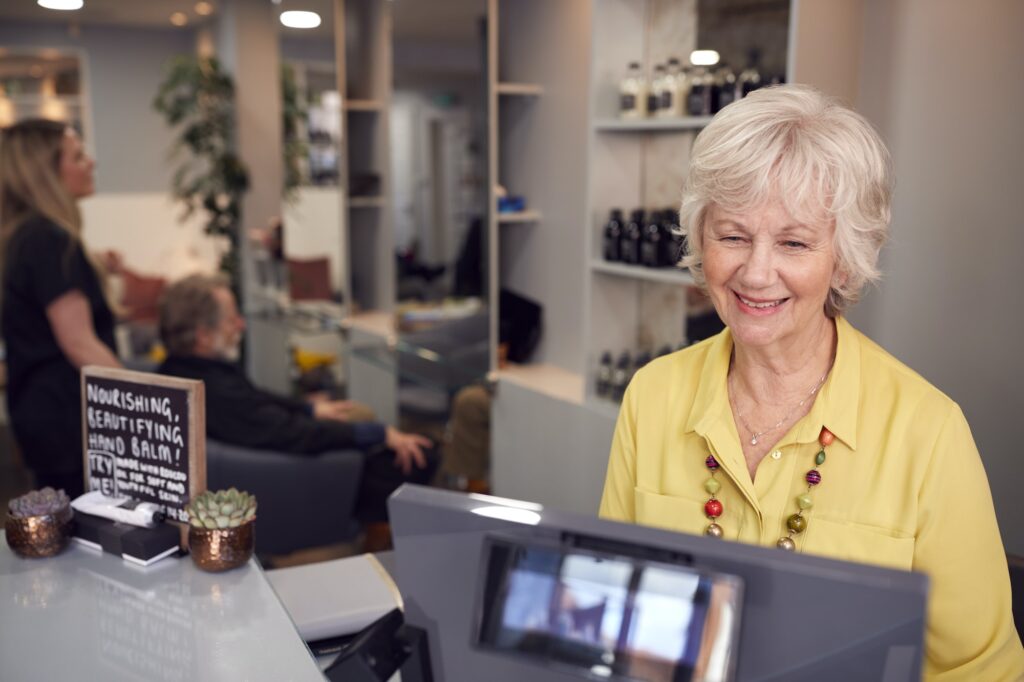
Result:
[[796, 145]]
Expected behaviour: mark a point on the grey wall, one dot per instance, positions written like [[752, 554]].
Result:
[[942, 80], [124, 66]]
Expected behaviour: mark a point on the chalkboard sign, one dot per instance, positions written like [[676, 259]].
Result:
[[144, 437]]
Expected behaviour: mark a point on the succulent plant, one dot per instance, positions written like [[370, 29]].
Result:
[[38, 503], [222, 509]]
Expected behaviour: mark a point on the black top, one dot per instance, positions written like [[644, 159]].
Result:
[[42, 263], [238, 413]]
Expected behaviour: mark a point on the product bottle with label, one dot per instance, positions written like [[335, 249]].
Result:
[[621, 376], [633, 93], [676, 246], [725, 88], [698, 102], [654, 89], [613, 236], [604, 375], [750, 78], [683, 84], [632, 236], [650, 245], [669, 103], [642, 359]]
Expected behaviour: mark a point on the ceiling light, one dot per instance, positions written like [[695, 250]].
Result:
[[63, 5], [704, 57], [204, 9], [300, 19], [179, 19]]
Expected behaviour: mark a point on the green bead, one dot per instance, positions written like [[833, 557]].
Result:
[[804, 501], [820, 459], [712, 486], [796, 523]]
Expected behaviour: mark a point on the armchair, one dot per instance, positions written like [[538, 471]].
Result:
[[304, 500]]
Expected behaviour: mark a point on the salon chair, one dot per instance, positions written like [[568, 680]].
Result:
[[303, 500]]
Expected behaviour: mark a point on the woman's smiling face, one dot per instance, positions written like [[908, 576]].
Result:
[[768, 274]]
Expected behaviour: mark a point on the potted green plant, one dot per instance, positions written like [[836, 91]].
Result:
[[39, 523], [221, 533]]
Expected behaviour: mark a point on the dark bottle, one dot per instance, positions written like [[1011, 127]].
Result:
[[698, 102], [654, 89], [629, 246], [724, 92], [750, 78], [604, 375], [651, 244], [641, 359], [665, 350], [621, 376], [613, 237], [675, 245]]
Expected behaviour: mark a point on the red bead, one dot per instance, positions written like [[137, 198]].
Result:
[[813, 477], [826, 437], [711, 463], [713, 508]]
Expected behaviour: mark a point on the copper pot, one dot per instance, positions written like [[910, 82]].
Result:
[[35, 537], [222, 549]]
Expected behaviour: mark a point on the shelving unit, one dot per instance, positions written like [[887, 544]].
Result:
[[614, 125], [527, 89], [520, 217], [661, 275], [367, 202]]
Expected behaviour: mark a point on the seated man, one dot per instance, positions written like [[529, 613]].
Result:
[[201, 328]]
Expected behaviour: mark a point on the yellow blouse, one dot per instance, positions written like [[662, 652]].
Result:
[[903, 485]]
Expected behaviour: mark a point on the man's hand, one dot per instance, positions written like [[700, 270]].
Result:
[[338, 410], [408, 449]]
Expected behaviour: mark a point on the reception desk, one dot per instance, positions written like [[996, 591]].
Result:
[[91, 616]]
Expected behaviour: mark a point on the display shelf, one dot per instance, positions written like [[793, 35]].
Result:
[[519, 217], [612, 125], [363, 105], [547, 379], [663, 275], [527, 89], [366, 202], [376, 322]]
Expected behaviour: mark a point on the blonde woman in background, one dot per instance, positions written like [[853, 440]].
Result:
[[55, 314]]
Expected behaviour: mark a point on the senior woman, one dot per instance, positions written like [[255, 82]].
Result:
[[791, 429]]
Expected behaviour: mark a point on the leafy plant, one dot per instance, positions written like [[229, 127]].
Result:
[[197, 99], [295, 148], [222, 509], [38, 503]]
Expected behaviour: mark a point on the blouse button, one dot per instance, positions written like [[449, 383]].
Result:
[[776, 454]]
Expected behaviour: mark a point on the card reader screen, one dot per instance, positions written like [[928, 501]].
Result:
[[609, 616]]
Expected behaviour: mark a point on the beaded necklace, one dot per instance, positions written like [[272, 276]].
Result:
[[796, 523]]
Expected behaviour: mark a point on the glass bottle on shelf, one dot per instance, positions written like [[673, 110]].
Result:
[[683, 84], [677, 244], [629, 249], [604, 375], [724, 92], [698, 102], [654, 89], [750, 78], [650, 245], [670, 104], [621, 375], [613, 236], [633, 93]]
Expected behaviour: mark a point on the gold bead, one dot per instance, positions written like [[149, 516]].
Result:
[[713, 530], [786, 544]]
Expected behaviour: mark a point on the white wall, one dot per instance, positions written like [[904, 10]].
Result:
[[943, 80], [144, 227], [312, 227]]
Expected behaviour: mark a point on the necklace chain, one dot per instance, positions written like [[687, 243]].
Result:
[[757, 434]]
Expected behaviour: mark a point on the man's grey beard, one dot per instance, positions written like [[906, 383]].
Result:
[[228, 352]]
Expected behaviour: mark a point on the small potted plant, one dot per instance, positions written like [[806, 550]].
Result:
[[221, 534], [39, 523]]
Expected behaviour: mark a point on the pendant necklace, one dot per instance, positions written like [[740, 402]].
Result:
[[758, 434]]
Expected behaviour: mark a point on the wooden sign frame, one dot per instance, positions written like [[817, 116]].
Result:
[[195, 447]]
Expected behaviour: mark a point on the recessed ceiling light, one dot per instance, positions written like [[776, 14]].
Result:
[[704, 57], [179, 19], [204, 9], [300, 19], [63, 5]]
